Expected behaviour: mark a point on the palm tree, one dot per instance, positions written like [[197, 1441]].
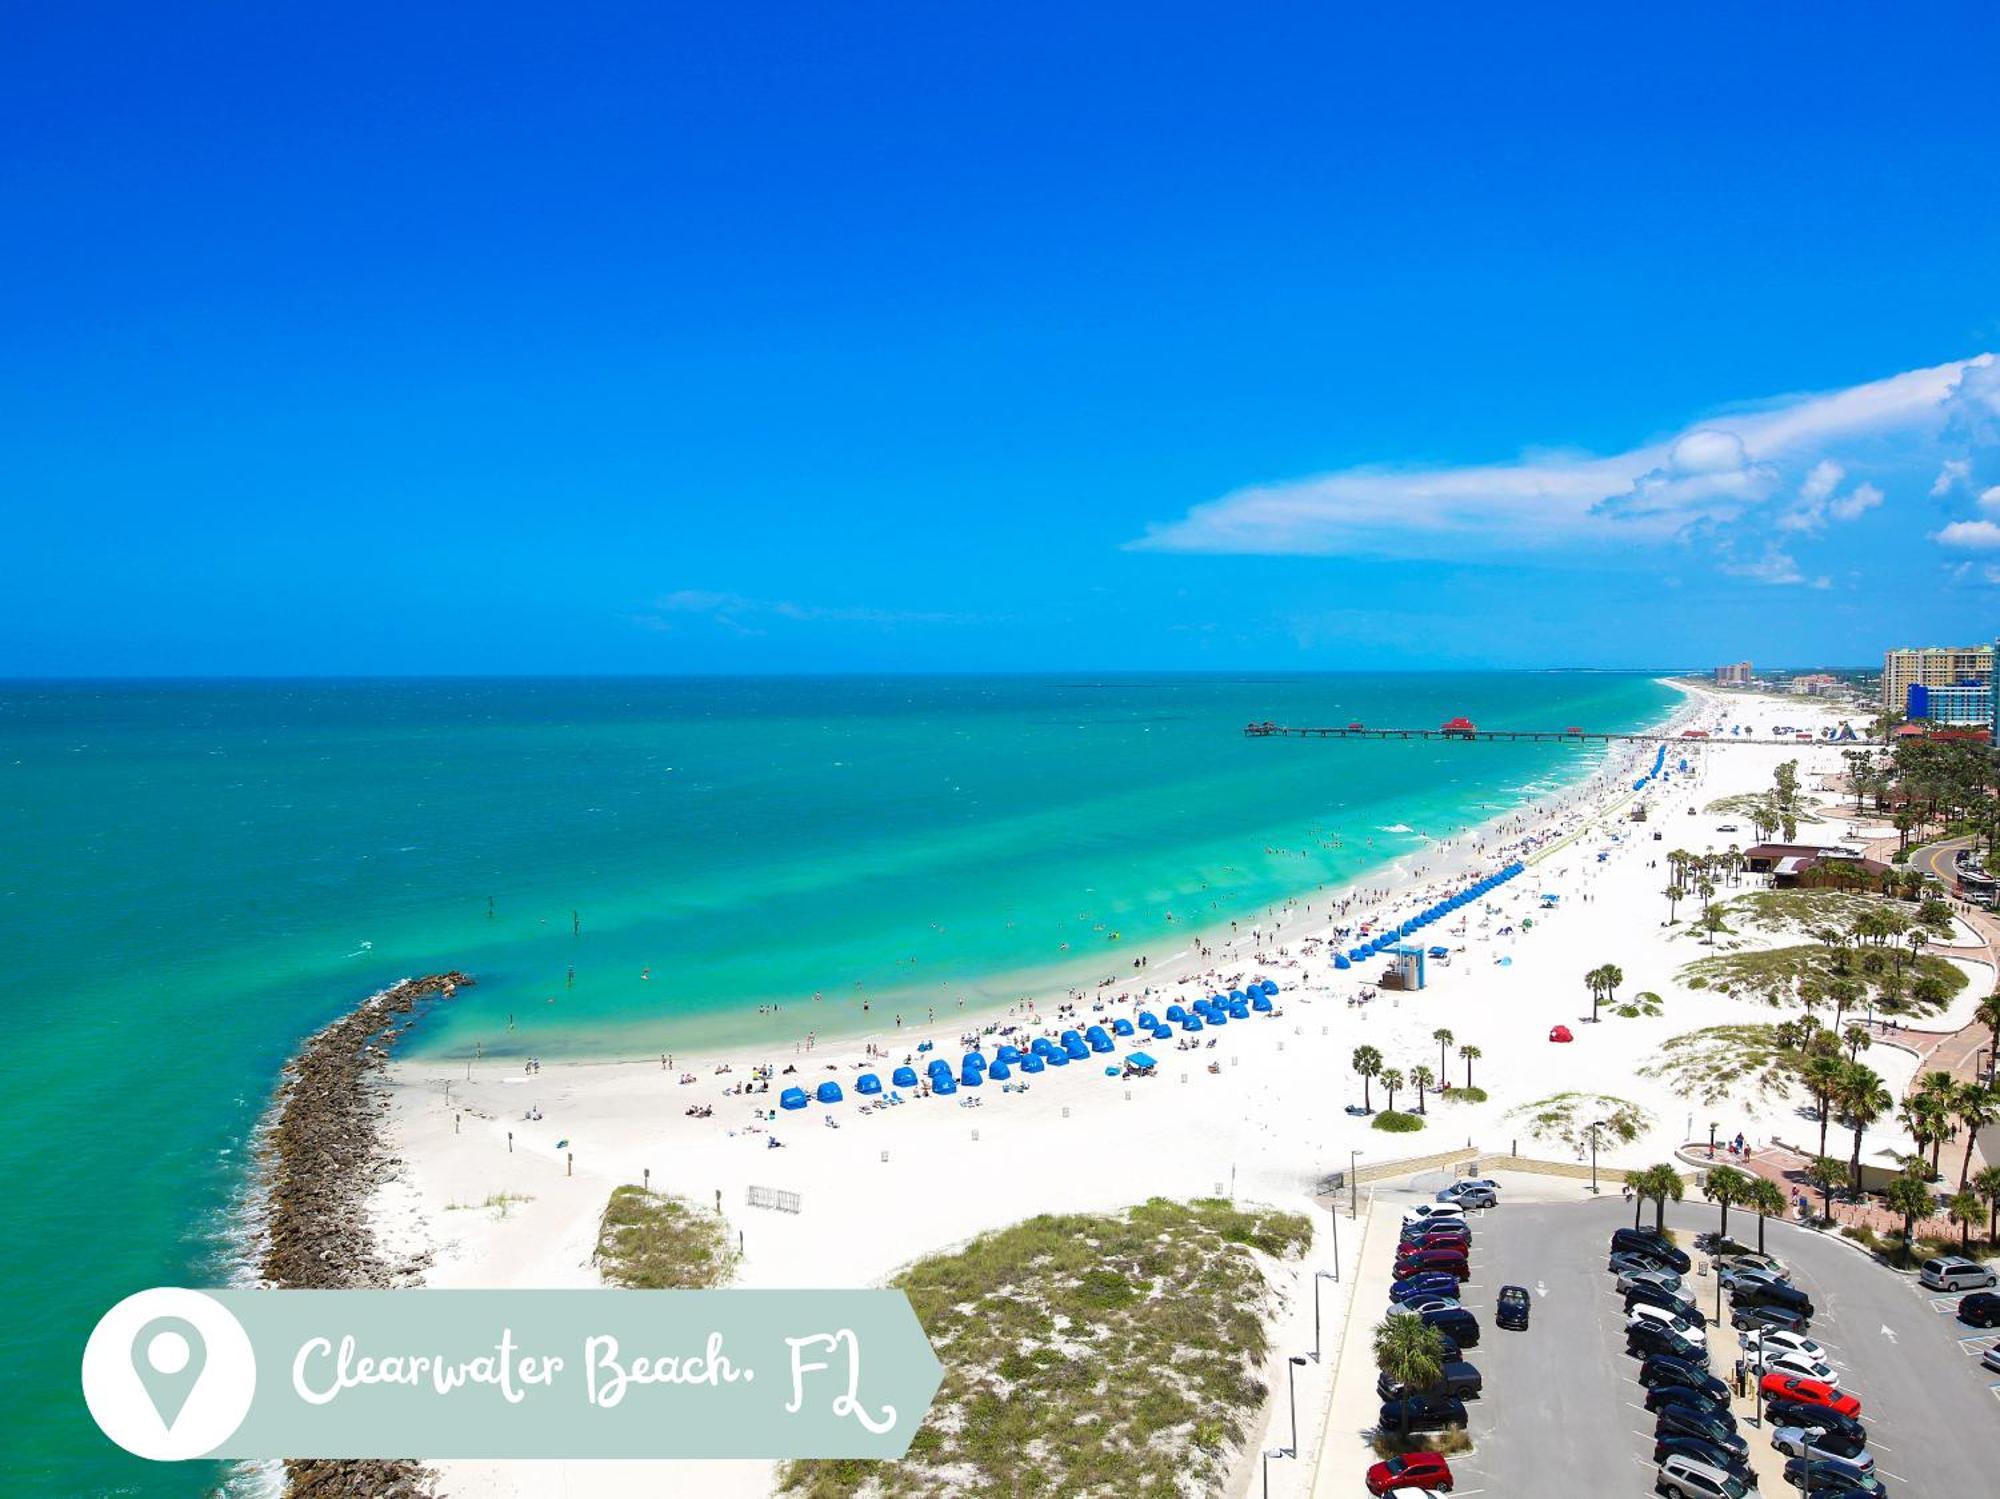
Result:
[[1444, 1038], [1421, 1077], [1858, 1040], [1471, 1055], [1965, 1209], [1655, 1184], [1927, 1117], [1725, 1185], [1974, 1108], [1988, 1014], [1409, 1351], [1392, 1080], [1602, 981], [1674, 894], [1826, 1173], [1368, 1062], [1987, 1185], [1712, 922], [1764, 1197], [1863, 1099], [1822, 1076], [1912, 1198]]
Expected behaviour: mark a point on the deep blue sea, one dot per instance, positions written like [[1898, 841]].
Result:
[[193, 876]]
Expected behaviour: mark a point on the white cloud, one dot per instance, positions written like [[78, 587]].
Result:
[[1970, 535], [1951, 473], [1989, 499], [1712, 473]]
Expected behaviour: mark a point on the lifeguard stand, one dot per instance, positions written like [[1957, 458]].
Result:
[[1405, 970]]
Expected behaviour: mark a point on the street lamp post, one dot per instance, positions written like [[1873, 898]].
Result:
[[1269, 1453], [1353, 1184], [1595, 1126], [1292, 1378], [1318, 1276], [1333, 1228]]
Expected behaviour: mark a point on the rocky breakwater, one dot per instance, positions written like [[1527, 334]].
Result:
[[323, 1156]]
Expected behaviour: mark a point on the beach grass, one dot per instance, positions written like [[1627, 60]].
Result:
[[1717, 1061], [1395, 1122], [649, 1241], [1566, 1118], [1114, 1354], [1774, 974], [1746, 804]]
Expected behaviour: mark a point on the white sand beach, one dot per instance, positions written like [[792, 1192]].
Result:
[[1258, 1111]]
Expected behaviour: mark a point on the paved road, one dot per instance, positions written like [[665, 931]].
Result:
[[1562, 1414]]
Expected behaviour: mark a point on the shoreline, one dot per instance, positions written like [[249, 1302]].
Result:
[[1375, 887]]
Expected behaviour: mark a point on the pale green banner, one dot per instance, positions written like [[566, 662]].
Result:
[[498, 1374]]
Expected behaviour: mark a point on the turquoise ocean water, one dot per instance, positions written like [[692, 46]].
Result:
[[197, 875]]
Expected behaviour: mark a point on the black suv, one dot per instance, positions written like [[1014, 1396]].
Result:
[[1645, 1241], [1456, 1378], [1648, 1339], [1422, 1413], [1815, 1418], [1665, 1370]]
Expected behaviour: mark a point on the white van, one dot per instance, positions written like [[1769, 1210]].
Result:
[[1953, 1272]]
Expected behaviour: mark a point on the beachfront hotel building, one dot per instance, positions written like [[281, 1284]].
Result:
[[1733, 676], [1950, 705], [1932, 667]]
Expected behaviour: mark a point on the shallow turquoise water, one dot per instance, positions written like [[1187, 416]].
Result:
[[197, 875]]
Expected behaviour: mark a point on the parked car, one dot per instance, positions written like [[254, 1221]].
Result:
[[1660, 1396], [1455, 1229], [1481, 1181], [1747, 1260], [1716, 1427], [1683, 1477], [1649, 1338], [1624, 1260], [1777, 1293], [1424, 1283], [1782, 1361], [1460, 1380], [1990, 1359], [1981, 1309], [1808, 1392], [1514, 1309], [1702, 1452], [1645, 1241], [1422, 1413], [1796, 1441], [1450, 1262], [1454, 1322], [1422, 1305], [1673, 1374], [1736, 1275], [1816, 1418], [1432, 1212], [1468, 1196], [1659, 1316], [1791, 1342], [1831, 1478], [1952, 1272], [1770, 1318], [1659, 1280], [1667, 1301], [1426, 1471]]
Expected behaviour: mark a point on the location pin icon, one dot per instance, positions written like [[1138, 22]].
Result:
[[167, 1355]]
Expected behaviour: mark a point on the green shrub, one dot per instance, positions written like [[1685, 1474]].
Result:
[[1464, 1095], [1397, 1123]]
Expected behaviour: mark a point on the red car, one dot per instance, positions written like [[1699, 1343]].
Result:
[[1411, 1470], [1450, 1261], [1808, 1392]]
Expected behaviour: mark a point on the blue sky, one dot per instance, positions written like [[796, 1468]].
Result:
[[407, 339]]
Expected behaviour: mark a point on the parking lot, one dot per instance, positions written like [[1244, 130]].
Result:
[[1563, 1413]]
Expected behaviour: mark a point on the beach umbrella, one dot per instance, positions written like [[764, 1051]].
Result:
[[904, 1077], [1121, 1027], [829, 1092], [943, 1085], [999, 1072], [792, 1098], [869, 1083], [1033, 1062], [972, 1077], [1261, 1003], [1140, 1059]]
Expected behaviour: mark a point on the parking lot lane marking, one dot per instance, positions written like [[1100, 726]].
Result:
[[1887, 1474]]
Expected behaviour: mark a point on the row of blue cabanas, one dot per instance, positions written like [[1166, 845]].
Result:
[[974, 1070], [1659, 760], [1383, 941]]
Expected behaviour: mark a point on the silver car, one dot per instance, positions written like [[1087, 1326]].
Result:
[[1661, 1280], [1794, 1441]]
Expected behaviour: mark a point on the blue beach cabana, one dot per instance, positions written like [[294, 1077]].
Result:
[[792, 1098], [904, 1077], [829, 1092], [1056, 1058], [1121, 1027], [1261, 1004], [1033, 1062], [972, 1077], [943, 1084], [1340, 960], [868, 1083], [999, 1072]]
